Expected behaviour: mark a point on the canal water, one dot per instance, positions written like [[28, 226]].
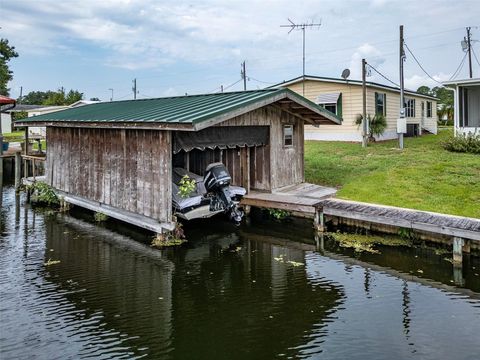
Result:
[[264, 290]]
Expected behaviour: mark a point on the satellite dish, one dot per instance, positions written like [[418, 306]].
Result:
[[345, 74]]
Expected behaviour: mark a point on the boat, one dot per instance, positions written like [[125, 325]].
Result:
[[213, 194]]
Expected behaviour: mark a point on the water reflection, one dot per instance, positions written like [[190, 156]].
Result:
[[230, 293]]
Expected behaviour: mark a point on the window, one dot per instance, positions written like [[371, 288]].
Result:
[[380, 104], [331, 107], [410, 108], [429, 109], [331, 102], [287, 135]]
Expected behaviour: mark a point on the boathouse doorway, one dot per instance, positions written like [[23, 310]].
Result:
[[245, 151]]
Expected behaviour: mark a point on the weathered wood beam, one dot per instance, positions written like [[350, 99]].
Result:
[[119, 214], [298, 116], [109, 125]]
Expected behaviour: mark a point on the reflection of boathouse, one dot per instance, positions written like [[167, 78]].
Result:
[[222, 286]]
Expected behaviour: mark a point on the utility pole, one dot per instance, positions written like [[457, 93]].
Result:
[[21, 95], [243, 73], [401, 123], [469, 49], [221, 88], [302, 27], [364, 92], [111, 97], [134, 89]]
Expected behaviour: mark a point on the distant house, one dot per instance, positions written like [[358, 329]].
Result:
[[42, 110], [466, 116], [344, 98]]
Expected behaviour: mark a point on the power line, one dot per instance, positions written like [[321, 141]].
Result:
[[383, 76], [459, 68], [475, 55], [420, 65], [262, 82]]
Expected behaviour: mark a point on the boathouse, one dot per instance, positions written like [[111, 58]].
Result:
[[117, 157]]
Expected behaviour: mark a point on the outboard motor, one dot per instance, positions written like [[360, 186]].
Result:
[[217, 181]]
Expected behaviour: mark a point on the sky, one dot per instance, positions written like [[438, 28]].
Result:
[[178, 47]]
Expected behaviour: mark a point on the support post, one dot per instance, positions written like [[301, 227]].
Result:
[[319, 220], [457, 250], [18, 171], [364, 101], [320, 242], [401, 120]]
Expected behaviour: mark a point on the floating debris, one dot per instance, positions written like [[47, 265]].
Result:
[[295, 263], [51, 262]]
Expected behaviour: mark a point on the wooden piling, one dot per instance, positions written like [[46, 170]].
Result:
[[457, 250], [319, 220], [18, 171]]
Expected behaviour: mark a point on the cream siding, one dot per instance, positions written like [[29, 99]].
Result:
[[352, 106]]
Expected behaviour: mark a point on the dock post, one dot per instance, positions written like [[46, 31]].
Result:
[[320, 242], [319, 220], [18, 171], [457, 250]]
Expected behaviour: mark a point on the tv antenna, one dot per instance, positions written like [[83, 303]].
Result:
[[302, 27]]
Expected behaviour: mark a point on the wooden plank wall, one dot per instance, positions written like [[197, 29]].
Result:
[[127, 169], [284, 165]]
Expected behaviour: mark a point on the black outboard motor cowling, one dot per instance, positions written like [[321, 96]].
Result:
[[216, 176], [217, 180]]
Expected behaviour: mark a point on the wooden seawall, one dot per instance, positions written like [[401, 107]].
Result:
[[320, 204]]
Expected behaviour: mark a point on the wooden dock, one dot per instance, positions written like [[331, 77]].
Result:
[[315, 201], [302, 198], [467, 228]]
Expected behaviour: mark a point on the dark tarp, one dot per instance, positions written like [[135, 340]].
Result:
[[221, 137]]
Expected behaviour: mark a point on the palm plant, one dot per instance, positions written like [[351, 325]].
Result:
[[376, 125]]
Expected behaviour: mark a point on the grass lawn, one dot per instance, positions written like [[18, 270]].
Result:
[[423, 176], [13, 136]]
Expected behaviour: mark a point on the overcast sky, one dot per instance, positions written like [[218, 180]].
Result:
[[173, 47]]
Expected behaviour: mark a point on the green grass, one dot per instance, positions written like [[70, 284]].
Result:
[[423, 176], [13, 136]]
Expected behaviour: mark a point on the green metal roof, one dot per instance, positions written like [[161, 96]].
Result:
[[190, 110]]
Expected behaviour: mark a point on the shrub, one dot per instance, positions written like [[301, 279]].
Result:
[[171, 238], [278, 214], [469, 143], [186, 186], [44, 194], [100, 217], [376, 125]]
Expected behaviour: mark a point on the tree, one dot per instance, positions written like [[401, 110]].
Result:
[[57, 98], [7, 52], [425, 90], [35, 97], [445, 100]]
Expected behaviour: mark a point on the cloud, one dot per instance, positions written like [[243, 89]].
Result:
[[372, 55], [415, 81]]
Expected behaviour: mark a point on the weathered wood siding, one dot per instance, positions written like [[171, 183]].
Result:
[[126, 169], [284, 165]]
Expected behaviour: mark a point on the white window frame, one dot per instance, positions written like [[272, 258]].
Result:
[[288, 138]]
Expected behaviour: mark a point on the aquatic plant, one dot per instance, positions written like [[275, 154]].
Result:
[[366, 243], [407, 234], [278, 214], [170, 238], [43, 193], [186, 186], [100, 217], [51, 262]]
